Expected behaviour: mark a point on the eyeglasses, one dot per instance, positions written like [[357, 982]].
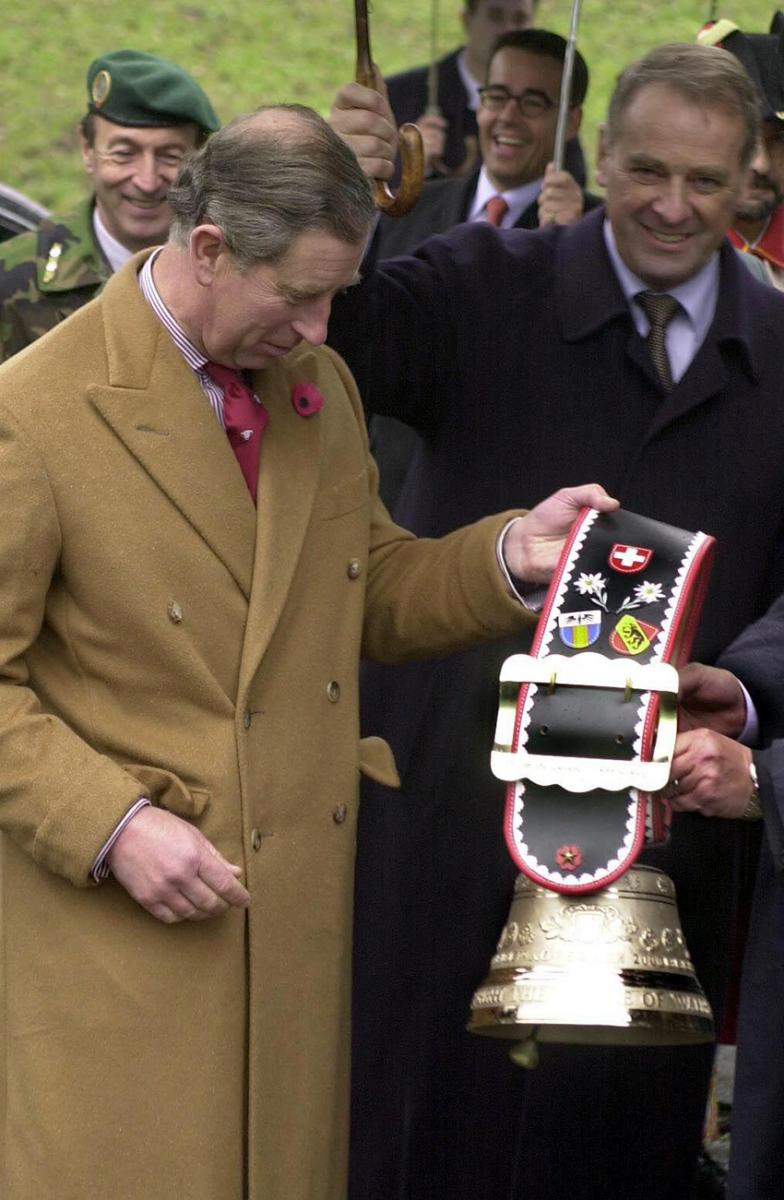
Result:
[[495, 97]]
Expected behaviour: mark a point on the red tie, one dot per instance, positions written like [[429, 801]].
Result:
[[495, 210], [245, 420]]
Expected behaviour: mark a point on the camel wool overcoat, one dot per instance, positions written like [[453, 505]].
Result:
[[160, 637]]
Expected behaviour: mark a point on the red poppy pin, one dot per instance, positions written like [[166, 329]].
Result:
[[307, 399]]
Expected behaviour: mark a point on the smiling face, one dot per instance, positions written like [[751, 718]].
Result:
[[516, 149], [132, 170], [673, 176], [247, 318]]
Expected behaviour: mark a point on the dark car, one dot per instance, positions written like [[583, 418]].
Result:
[[18, 213]]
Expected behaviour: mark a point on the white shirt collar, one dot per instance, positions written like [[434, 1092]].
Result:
[[114, 252], [194, 358], [697, 296]]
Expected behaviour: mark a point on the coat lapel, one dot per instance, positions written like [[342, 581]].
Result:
[[730, 337], [289, 473], [156, 408]]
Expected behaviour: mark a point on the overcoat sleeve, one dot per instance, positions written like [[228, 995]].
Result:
[[409, 326], [59, 798], [757, 658], [770, 771], [396, 332]]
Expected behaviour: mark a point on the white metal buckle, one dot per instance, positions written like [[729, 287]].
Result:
[[591, 671]]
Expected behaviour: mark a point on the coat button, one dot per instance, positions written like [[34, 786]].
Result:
[[333, 691], [255, 839], [175, 612], [339, 814], [354, 568], [247, 718]]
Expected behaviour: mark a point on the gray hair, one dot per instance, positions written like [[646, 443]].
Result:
[[706, 76], [267, 177]]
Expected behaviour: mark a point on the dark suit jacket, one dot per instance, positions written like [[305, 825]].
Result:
[[757, 1158], [442, 204], [515, 357], [408, 97]]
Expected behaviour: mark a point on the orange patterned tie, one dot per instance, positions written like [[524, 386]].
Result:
[[659, 309], [495, 210]]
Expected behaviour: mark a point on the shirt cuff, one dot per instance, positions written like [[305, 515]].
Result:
[[531, 596], [100, 868], [749, 735]]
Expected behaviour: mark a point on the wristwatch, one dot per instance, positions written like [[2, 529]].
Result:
[[753, 810]]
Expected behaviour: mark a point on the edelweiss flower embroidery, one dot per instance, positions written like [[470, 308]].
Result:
[[644, 593], [648, 593], [593, 584]]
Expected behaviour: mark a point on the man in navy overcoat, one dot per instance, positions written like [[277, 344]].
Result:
[[523, 361]]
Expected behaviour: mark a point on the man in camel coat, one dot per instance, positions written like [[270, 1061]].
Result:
[[178, 691]]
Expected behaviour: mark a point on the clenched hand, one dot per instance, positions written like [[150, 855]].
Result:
[[171, 869]]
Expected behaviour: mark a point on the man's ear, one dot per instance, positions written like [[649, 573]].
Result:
[[573, 121], [88, 153], [208, 251], [602, 154]]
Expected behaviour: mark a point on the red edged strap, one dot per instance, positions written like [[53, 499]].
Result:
[[627, 588]]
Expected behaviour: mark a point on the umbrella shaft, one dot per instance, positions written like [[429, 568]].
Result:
[[566, 89]]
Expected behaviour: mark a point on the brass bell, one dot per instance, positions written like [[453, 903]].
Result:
[[606, 968]]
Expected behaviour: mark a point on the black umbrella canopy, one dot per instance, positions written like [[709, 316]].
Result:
[[762, 54]]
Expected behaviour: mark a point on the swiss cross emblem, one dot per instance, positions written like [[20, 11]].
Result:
[[629, 559]]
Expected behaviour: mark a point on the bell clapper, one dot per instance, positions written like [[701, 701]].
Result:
[[526, 1054]]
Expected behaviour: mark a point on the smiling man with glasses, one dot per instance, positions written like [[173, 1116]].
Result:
[[451, 135], [144, 115], [517, 119], [517, 116]]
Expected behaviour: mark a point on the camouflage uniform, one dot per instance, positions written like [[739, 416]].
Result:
[[45, 275]]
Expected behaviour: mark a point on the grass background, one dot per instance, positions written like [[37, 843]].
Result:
[[247, 52]]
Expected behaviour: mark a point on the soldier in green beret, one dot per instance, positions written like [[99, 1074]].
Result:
[[144, 115]]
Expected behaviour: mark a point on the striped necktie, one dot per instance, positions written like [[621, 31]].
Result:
[[659, 308]]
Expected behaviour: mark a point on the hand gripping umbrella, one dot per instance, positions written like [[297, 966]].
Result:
[[411, 152]]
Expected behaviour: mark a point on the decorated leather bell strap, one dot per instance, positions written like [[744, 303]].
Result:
[[630, 590]]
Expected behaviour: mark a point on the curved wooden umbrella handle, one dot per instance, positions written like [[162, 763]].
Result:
[[412, 155]]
